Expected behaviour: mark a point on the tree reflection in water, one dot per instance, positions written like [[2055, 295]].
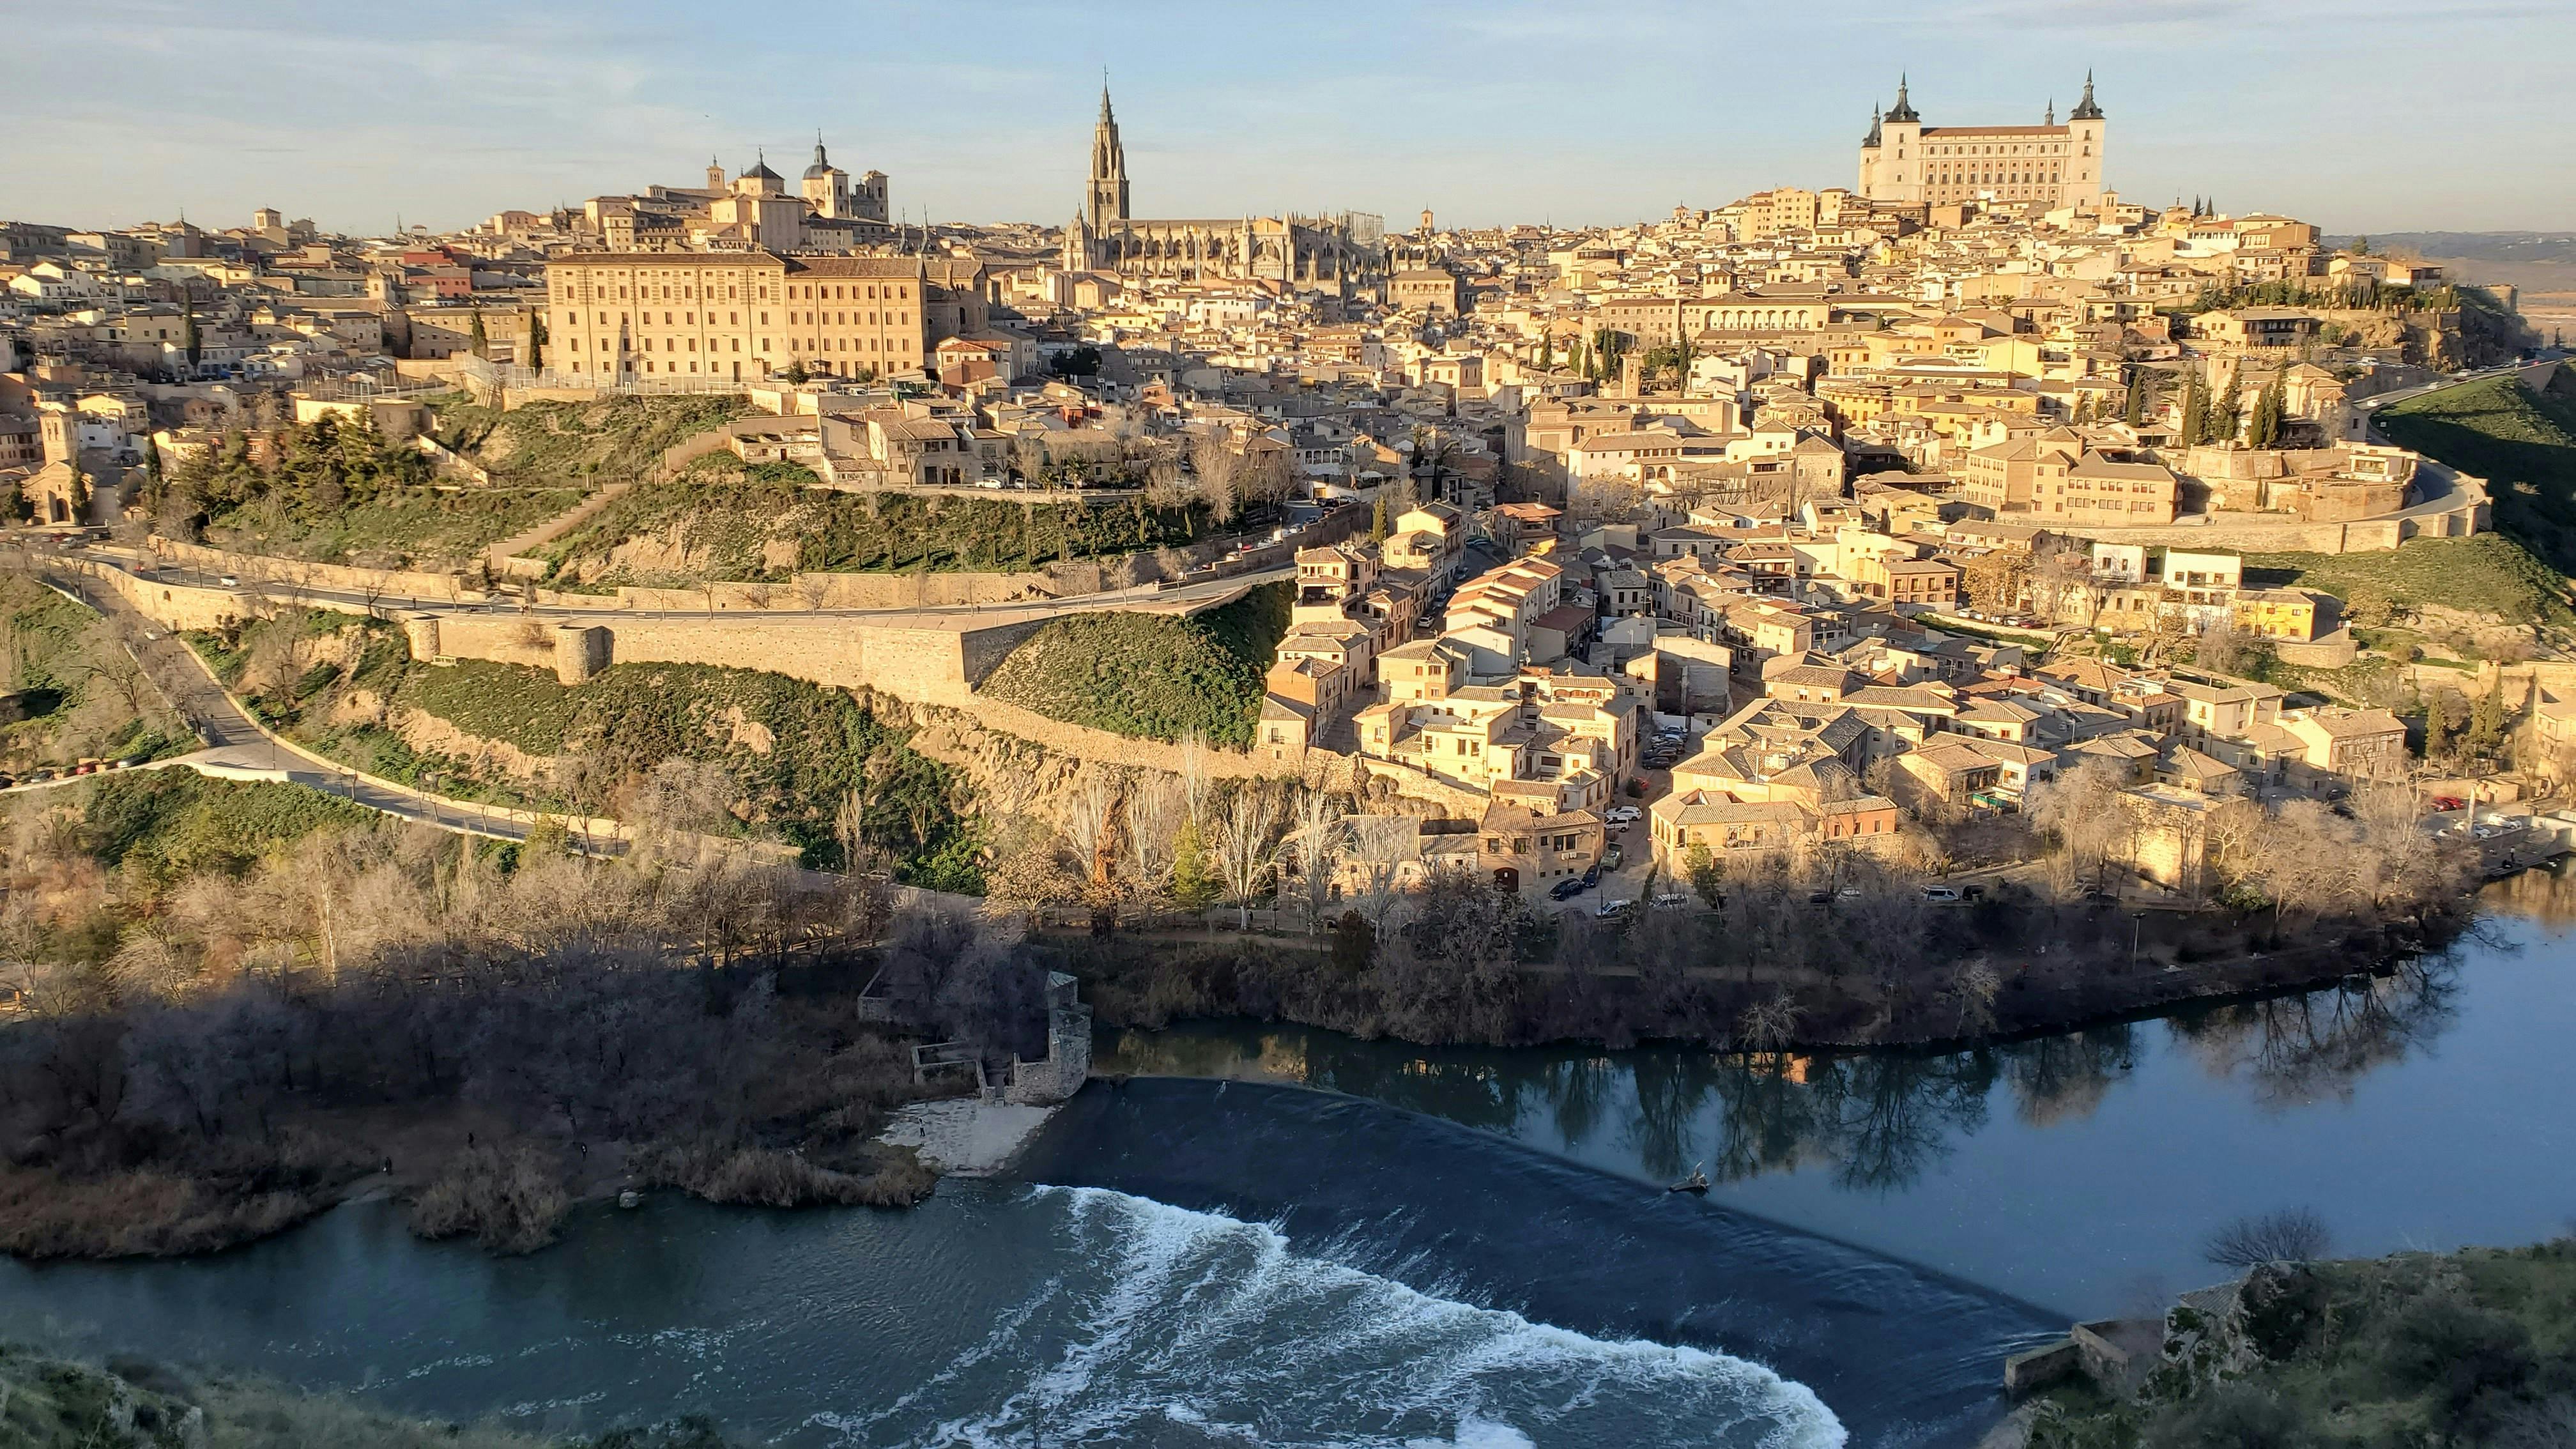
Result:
[[1878, 1120], [2294, 1049]]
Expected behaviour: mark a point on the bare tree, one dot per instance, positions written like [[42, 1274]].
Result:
[[1165, 484], [2081, 809], [1195, 785], [1770, 1024], [1220, 475], [2293, 1235], [1091, 828], [1154, 815], [1243, 846], [1315, 842], [1381, 846]]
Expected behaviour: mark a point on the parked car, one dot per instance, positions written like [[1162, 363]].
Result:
[[1940, 893], [2449, 802], [1622, 814], [1592, 875], [1610, 908], [1568, 888], [1671, 901], [1610, 858]]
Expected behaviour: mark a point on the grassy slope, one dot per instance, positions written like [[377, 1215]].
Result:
[[2490, 573], [820, 743], [732, 518], [2412, 1350], [417, 527], [47, 644], [574, 445], [170, 823], [50, 1402], [1150, 674], [2524, 445]]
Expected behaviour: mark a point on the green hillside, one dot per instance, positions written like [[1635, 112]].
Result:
[[739, 524], [2523, 443], [2488, 574], [1152, 675]]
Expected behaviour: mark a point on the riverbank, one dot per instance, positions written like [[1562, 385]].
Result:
[[2019, 973], [2473, 1347], [48, 1402]]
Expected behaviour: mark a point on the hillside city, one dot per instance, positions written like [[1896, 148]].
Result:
[[1469, 822], [1756, 526]]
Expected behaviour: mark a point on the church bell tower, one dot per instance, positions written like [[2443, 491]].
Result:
[[1107, 200]]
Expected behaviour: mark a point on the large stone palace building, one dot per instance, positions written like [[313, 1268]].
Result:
[[1340, 254], [742, 316], [1906, 162]]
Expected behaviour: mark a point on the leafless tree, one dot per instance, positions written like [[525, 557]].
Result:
[[1220, 475], [1770, 1024], [1381, 846], [1193, 774], [1242, 846], [2081, 811], [1090, 825], [2293, 1235], [1316, 840], [1155, 813], [1165, 484]]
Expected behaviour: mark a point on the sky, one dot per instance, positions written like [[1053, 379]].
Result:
[[2359, 115]]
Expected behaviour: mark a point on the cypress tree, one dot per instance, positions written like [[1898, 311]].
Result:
[[1377, 521], [188, 340], [537, 340], [475, 339], [2195, 411], [2227, 411]]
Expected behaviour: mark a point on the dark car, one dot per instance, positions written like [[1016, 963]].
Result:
[[1592, 875], [1568, 888]]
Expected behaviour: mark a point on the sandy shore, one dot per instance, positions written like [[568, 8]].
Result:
[[965, 1137]]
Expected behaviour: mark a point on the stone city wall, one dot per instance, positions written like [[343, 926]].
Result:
[[2268, 533], [168, 602], [263, 570], [925, 665]]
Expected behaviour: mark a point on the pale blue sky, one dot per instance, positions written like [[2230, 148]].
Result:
[[2375, 115]]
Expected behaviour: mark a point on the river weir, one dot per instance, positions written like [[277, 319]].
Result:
[[1287, 1237]]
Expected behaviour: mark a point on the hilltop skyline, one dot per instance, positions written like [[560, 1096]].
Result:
[[1383, 109]]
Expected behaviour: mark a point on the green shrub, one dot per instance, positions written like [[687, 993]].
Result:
[[170, 823]]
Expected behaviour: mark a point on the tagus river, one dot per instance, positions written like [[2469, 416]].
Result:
[[1276, 1236]]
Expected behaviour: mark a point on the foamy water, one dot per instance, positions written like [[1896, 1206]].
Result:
[[1198, 1328]]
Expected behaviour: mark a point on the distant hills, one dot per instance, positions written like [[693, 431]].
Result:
[[2477, 246]]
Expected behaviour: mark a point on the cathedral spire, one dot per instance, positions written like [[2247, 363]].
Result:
[[2051, 118]]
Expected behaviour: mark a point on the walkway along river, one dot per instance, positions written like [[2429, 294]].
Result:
[[1201, 1262]]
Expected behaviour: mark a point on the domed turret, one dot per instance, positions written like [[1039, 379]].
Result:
[[822, 166]]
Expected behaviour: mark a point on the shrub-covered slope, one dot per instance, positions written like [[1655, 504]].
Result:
[[1152, 675]]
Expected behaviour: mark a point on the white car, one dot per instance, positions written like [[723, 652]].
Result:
[[1610, 908], [1941, 893], [1622, 814]]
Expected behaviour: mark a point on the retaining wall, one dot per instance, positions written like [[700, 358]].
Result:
[[268, 570]]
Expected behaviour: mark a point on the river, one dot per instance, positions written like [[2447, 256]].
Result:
[[1454, 1247]]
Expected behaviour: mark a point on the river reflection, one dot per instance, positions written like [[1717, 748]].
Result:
[[2423, 1107], [1877, 1121]]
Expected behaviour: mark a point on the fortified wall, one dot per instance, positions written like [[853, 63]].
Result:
[[930, 666]]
